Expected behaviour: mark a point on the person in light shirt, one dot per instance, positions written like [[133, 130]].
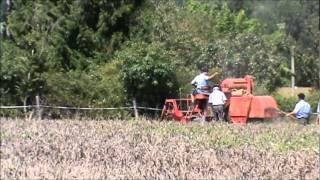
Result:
[[217, 100], [302, 110], [201, 82]]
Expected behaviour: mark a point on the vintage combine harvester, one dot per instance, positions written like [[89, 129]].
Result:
[[241, 104]]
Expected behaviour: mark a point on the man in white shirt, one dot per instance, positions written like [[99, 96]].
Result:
[[217, 99], [302, 110]]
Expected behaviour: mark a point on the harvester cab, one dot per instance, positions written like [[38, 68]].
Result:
[[240, 106]]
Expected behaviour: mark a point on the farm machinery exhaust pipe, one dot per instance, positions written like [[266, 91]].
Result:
[[241, 104]]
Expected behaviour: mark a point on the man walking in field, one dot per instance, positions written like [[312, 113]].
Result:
[[217, 99], [302, 110]]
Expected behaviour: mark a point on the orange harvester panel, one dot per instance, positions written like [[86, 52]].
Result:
[[263, 107], [239, 108]]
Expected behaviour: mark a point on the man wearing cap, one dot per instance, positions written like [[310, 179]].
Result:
[[201, 82], [302, 110], [217, 99]]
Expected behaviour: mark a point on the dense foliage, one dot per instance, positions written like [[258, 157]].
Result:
[[105, 53]]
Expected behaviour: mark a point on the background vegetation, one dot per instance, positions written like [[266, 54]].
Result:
[[104, 53]]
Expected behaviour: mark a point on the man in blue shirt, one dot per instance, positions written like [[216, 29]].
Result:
[[201, 82], [302, 110]]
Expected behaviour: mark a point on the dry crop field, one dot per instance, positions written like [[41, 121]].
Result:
[[118, 149]]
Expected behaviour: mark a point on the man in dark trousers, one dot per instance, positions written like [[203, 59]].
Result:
[[302, 110], [217, 99]]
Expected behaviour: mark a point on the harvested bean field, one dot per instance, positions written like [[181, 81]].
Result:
[[148, 149]]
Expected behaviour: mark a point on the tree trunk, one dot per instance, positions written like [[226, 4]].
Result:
[[8, 3]]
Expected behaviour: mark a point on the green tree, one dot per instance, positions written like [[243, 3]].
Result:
[[148, 72], [51, 37]]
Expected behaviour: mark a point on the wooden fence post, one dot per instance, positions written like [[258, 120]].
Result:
[[38, 107], [136, 115], [25, 105]]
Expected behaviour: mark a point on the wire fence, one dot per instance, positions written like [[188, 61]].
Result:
[[80, 108], [85, 108], [39, 108]]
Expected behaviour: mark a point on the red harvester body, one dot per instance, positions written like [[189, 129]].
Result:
[[241, 104]]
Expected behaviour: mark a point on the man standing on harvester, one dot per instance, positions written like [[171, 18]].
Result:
[[217, 99], [201, 82]]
